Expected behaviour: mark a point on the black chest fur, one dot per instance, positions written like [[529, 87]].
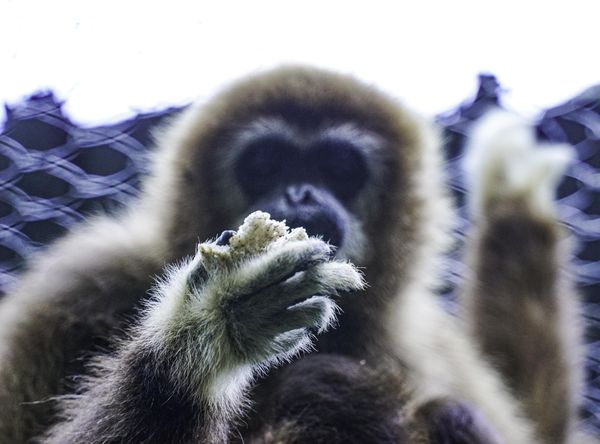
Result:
[[325, 398]]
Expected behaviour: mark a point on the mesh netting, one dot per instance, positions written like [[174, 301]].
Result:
[[54, 173]]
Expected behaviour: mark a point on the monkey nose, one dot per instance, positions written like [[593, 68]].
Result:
[[299, 194], [223, 239]]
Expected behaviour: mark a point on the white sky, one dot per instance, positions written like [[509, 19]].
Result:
[[114, 57]]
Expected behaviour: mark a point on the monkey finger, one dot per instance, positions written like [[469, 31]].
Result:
[[317, 312], [328, 279], [257, 330], [335, 277], [286, 345], [293, 324], [280, 264]]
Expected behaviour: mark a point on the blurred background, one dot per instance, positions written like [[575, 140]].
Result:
[[113, 58], [85, 83]]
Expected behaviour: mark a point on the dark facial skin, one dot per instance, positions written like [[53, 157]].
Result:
[[308, 186]]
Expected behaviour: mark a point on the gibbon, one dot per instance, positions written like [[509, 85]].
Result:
[[315, 321]]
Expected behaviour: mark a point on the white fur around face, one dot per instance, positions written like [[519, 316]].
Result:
[[504, 160]]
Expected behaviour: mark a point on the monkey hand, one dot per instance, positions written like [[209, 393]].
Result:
[[251, 299], [504, 161], [269, 288]]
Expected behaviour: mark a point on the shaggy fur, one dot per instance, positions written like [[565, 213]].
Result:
[[396, 368]]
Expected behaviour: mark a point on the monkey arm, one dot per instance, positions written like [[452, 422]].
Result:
[[216, 321], [520, 307], [523, 314], [133, 398], [75, 295]]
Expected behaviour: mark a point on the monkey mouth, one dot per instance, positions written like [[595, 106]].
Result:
[[322, 223]]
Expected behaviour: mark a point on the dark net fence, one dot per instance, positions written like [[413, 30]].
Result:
[[54, 173]]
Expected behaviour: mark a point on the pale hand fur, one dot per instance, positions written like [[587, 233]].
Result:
[[504, 160]]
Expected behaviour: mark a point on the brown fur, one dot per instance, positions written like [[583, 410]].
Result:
[[85, 286], [396, 232], [531, 350]]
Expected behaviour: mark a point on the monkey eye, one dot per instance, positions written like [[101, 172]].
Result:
[[341, 166], [262, 164]]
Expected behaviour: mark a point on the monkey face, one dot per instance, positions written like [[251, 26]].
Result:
[[315, 149], [311, 178], [308, 179]]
